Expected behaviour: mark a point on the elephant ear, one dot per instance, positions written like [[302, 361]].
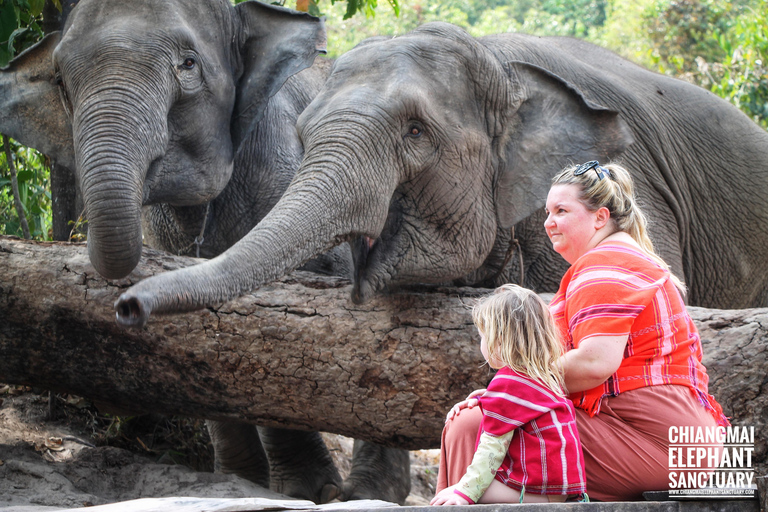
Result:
[[554, 126], [31, 103], [275, 43]]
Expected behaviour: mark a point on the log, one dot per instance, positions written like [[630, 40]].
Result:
[[296, 353]]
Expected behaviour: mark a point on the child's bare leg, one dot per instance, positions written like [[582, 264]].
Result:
[[497, 492]]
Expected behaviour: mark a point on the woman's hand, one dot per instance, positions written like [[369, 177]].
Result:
[[467, 403], [448, 497]]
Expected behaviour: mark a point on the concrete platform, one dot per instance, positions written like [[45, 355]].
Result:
[[740, 505], [263, 505]]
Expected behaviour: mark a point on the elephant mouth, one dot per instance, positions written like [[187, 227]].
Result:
[[364, 249], [377, 261]]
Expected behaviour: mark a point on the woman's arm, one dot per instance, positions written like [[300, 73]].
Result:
[[596, 359]]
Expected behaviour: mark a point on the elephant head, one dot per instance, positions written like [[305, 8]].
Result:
[[149, 102], [418, 150]]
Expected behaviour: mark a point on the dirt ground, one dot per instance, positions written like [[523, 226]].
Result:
[[83, 457]]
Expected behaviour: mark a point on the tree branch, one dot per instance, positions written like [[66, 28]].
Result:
[[296, 353]]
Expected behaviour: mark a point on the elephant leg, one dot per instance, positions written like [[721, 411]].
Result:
[[378, 473], [237, 450], [301, 465]]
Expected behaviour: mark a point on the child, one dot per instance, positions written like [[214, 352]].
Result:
[[543, 462]]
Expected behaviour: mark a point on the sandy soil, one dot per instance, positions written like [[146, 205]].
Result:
[[84, 458]]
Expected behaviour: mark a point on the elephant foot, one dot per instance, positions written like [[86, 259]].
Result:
[[378, 473], [238, 450], [329, 492], [301, 466]]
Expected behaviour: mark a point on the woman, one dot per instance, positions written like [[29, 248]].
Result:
[[633, 355]]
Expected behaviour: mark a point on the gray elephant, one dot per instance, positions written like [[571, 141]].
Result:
[[186, 110], [432, 154]]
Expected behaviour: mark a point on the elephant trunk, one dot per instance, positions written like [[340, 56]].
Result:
[[312, 217], [116, 141]]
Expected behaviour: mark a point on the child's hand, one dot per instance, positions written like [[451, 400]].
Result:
[[448, 497], [467, 403]]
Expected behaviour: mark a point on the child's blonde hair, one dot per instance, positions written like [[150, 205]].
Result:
[[520, 333], [616, 192]]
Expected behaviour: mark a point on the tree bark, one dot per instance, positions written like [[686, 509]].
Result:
[[296, 353], [66, 204]]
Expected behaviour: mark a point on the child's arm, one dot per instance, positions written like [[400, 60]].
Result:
[[486, 461], [468, 403]]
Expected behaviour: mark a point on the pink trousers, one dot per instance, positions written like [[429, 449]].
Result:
[[626, 446]]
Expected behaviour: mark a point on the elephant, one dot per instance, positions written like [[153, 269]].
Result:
[[431, 154], [178, 118]]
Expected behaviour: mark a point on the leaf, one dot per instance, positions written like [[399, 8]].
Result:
[[395, 7], [5, 57], [36, 7], [16, 33], [9, 21], [24, 176], [352, 7]]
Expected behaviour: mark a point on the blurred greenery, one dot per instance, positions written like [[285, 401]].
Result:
[[33, 177], [352, 7], [20, 26], [719, 45]]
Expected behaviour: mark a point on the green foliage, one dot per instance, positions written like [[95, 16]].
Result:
[[366, 6], [33, 176], [576, 18], [352, 7], [742, 77], [681, 29], [718, 45], [20, 26]]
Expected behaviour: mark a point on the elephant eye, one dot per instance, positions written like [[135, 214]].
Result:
[[189, 63], [414, 130]]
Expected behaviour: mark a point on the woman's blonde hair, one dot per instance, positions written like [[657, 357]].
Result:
[[615, 191], [520, 333]]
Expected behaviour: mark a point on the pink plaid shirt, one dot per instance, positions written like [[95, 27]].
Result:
[[545, 454]]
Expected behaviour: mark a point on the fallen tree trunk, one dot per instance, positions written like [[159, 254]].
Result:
[[297, 353]]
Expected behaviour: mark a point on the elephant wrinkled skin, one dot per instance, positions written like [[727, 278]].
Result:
[[179, 115], [425, 150]]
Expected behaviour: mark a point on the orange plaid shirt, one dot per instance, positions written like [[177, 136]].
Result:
[[616, 289]]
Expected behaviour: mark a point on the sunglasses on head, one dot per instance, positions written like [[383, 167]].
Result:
[[601, 171]]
